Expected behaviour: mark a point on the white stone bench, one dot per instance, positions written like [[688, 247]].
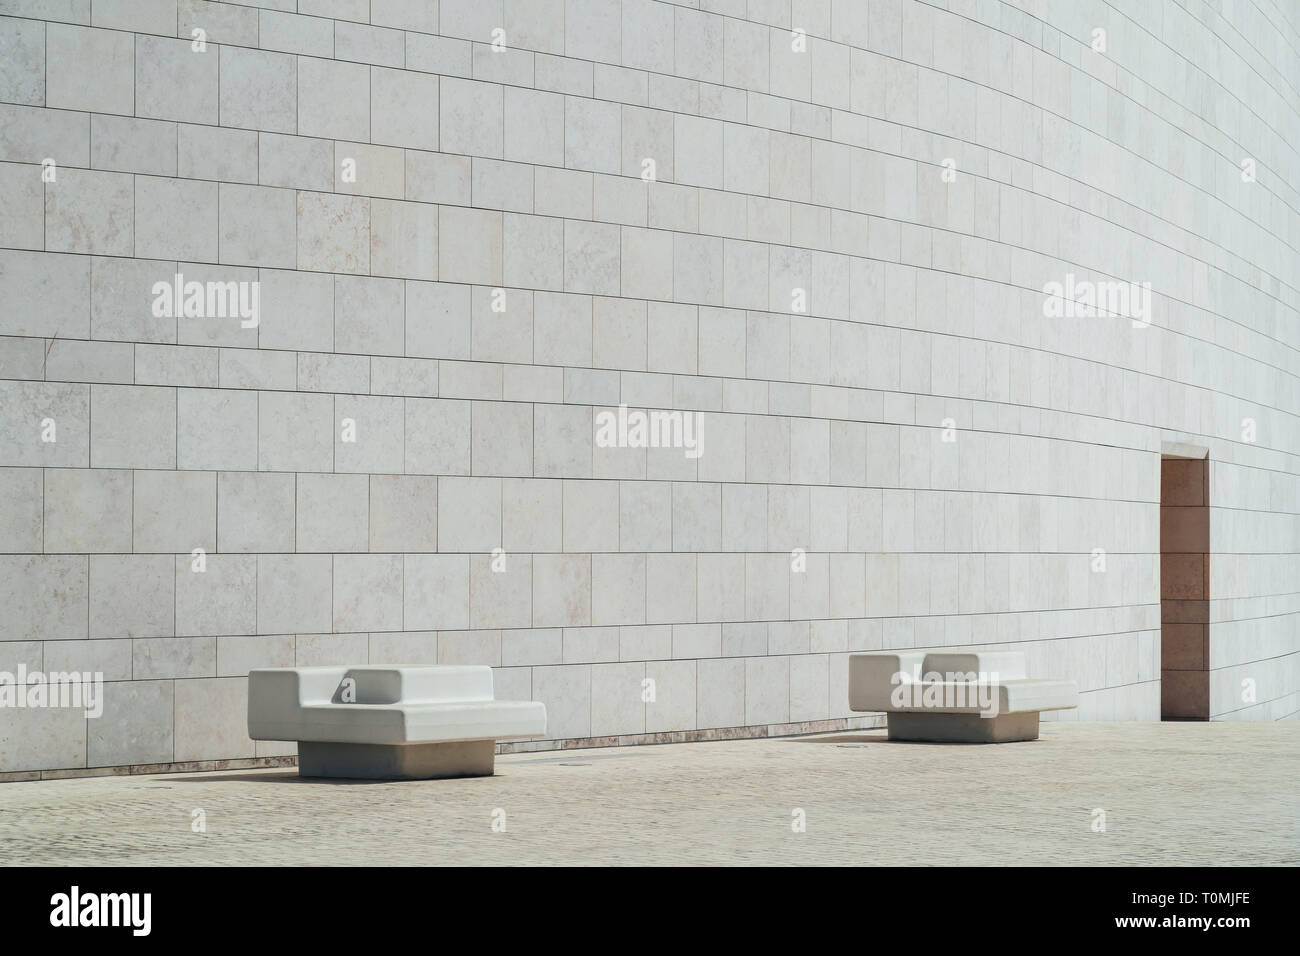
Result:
[[981, 697], [400, 723]]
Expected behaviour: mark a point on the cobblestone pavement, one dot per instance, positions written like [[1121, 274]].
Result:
[[1186, 793]]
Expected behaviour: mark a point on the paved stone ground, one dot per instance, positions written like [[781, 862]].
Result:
[[1186, 793]]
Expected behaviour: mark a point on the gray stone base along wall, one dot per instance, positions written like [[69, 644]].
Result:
[[874, 722], [609, 342]]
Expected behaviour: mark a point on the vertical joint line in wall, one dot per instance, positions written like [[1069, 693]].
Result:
[[87, 557], [176, 321], [133, 198], [131, 509], [257, 574], [370, 480], [295, 527], [218, 185], [218, 123], [45, 102], [175, 602]]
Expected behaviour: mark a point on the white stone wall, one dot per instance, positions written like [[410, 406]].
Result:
[[779, 165]]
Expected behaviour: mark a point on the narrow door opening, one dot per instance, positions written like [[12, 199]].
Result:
[[1184, 589]]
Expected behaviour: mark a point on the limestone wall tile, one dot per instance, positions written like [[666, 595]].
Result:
[[112, 658], [294, 592], [216, 429], [248, 368], [212, 719], [257, 226], [472, 246], [436, 591], [174, 82], [22, 522], [219, 599], [333, 512], [404, 239], [470, 117], [403, 513], [236, 656], [128, 145], [92, 69], [46, 595], [318, 650], [91, 212], [132, 596], [174, 511], [255, 512], [565, 689], [87, 510], [437, 438], [767, 690], [370, 434], [720, 692], [500, 590], [333, 233], [445, 55], [561, 590], [295, 432], [22, 77], [135, 727], [533, 126], [222, 23], [368, 592], [156, 658], [404, 649], [260, 91], [616, 699]]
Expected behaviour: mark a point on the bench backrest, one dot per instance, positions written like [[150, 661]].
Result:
[[302, 686], [276, 694], [990, 665], [410, 685], [872, 676]]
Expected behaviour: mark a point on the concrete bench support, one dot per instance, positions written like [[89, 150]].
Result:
[[963, 728], [464, 758]]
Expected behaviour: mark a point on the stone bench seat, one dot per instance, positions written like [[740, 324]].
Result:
[[980, 697], [1013, 696], [388, 722]]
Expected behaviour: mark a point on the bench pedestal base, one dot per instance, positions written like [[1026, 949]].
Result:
[[963, 728], [461, 758]]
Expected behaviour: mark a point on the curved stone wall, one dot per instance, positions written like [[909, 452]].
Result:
[[914, 296]]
